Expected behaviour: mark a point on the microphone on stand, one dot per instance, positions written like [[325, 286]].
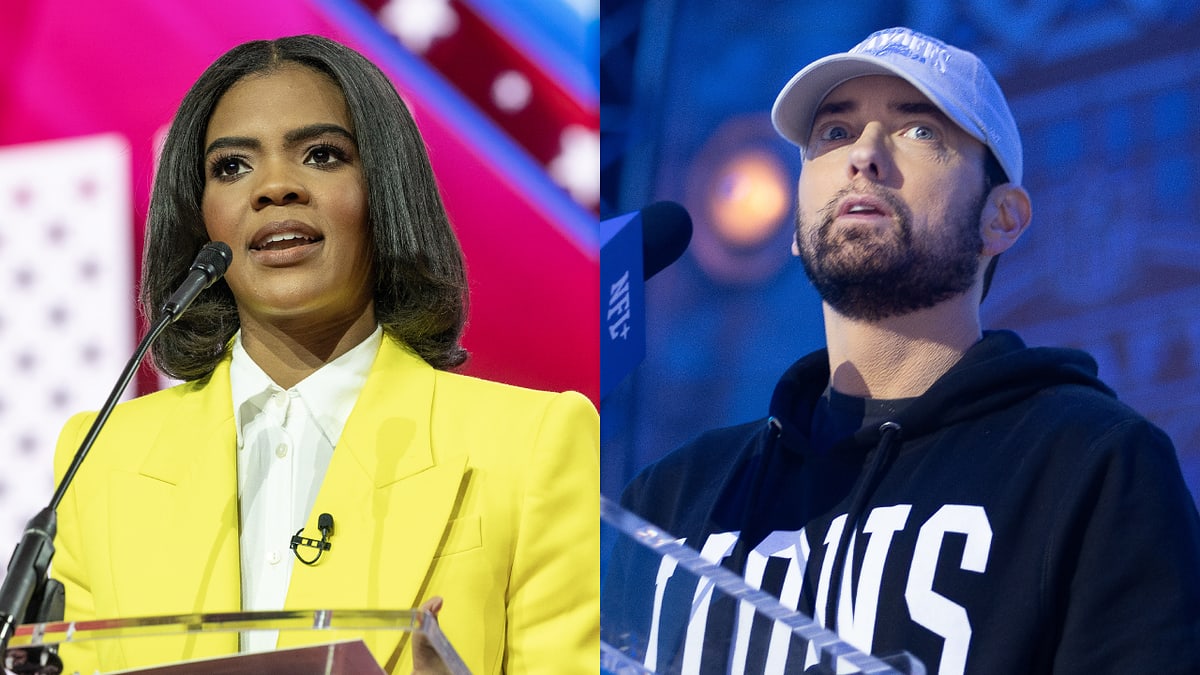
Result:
[[28, 595], [634, 247], [210, 264]]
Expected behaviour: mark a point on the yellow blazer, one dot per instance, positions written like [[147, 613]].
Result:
[[441, 484]]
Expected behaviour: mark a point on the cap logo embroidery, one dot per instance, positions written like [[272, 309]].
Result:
[[954, 80], [906, 45]]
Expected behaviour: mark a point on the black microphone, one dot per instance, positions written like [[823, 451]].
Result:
[[666, 232], [28, 595], [325, 525], [210, 264], [634, 247]]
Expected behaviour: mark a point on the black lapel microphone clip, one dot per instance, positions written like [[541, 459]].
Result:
[[325, 525]]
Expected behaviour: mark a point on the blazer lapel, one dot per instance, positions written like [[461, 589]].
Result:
[[174, 523], [391, 494]]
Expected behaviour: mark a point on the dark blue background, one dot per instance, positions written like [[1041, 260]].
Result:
[[1105, 95]]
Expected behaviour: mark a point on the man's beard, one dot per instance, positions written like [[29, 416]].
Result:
[[875, 276]]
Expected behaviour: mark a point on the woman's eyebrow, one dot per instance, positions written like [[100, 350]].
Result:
[[244, 142], [291, 138], [311, 131]]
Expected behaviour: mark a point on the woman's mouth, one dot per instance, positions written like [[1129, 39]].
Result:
[[280, 244], [283, 241]]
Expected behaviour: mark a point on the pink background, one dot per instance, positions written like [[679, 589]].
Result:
[[75, 68]]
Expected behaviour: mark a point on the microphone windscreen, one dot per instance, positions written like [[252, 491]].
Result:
[[666, 232], [214, 259]]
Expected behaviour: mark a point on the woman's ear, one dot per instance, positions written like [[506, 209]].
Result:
[[1004, 218]]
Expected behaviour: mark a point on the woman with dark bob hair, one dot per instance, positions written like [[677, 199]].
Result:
[[316, 384], [420, 283]]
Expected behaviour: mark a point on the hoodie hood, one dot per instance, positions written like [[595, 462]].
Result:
[[996, 372]]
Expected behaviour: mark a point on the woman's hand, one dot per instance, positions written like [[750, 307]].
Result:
[[426, 660]]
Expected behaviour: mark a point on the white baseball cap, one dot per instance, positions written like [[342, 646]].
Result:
[[956, 81]]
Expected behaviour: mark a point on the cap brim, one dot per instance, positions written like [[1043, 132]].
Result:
[[796, 106]]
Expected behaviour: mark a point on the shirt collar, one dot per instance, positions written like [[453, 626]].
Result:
[[329, 393]]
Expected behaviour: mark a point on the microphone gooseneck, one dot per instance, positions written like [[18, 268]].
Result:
[[27, 594], [210, 264]]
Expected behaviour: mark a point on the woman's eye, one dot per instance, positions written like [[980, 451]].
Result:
[[229, 166], [325, 154]]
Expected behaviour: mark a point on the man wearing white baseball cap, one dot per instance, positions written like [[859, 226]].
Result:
[[923, 485]]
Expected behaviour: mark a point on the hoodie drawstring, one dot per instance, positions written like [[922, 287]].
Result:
[[774, 434], [889, 441]]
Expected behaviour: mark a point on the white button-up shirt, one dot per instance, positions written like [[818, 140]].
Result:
[[285, 439]]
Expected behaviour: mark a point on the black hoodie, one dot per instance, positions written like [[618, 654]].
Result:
[[1015, 518]]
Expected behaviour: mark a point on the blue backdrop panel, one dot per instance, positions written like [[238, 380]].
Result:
[[1104, 95]]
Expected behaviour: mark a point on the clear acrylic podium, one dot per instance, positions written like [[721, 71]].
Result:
[[334, 655], [635, 554]]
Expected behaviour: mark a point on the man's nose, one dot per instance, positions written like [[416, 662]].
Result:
[[870, 156]]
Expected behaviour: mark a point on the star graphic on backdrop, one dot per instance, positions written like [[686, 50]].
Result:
[[511, 91], [59, 398], [24, 277], [26, 361], [28, 444], [57, 232], [58, 315], [89, 269], [87, 188], [419, 23], [23, 196], [577, 166], [91, 353]]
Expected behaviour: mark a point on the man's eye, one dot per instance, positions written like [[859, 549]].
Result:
[[834, 133], [921, 133]]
